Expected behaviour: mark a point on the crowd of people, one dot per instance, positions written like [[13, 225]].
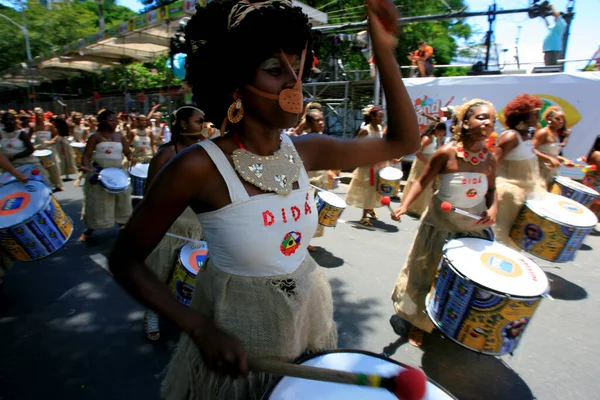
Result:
[[247, 189]]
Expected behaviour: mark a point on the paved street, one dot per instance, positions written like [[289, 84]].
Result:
[[67, 331]]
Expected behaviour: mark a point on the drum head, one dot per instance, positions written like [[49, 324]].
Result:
[[193, 256], [570, 183], [21, 201], [140, 170], [77, 144], [331, 198], [42, 153], [114, 178], [345, 360], [390, 173], [496, 267], [562, 210]]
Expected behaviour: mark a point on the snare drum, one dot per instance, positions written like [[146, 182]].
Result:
[[388, 181], [32, 223], [552, 227], [329, 207], [574, 190], [78, 150], [46, 157], [485, 295], [192, 258], [139, 174], [288, 388], [114, 180]]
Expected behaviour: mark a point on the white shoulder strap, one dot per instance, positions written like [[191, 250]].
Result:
[[237, 191], [303, 180]]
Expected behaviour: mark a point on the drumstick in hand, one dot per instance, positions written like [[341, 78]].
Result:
[[385, 200], [447, 207], [409, 384]]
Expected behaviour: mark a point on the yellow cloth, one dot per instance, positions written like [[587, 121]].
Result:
[[64, 152]]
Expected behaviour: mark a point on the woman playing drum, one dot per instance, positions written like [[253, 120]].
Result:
[[431, 139], [143, 141], [45, 139], [548, 145], [518, 173], [592, 176], [361, 192], [63, 147], [260, 293], [104, 149], [467, 175], [188, 127]]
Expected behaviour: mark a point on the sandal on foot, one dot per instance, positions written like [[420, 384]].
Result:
[[416, 336], [365, 221], [373, 215], [151, 328]]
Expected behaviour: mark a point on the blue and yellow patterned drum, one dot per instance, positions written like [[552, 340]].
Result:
[[485, 295], [32, 223], [388, 181], [574, 190], [552, 227], [192, 258], [329, 208], [46, 157], [29, 170], [139, 174]]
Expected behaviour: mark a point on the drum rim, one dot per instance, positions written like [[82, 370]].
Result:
[[117, 189], [559, 222], [390, 167], [38, 210], [42, 150], [487, 353], [184, 265], [592, 191], [494, 291], [269, 391], [329, 193]]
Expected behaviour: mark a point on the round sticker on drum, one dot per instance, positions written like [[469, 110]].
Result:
[[571, 206], [197, 259], [14, 203], [501, 265]]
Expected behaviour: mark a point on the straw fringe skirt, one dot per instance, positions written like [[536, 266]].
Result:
[[162, 260], [100, 209], [360, 192], [419, 271], [420, 204], [547, 173], [279, 317], [67, 157]]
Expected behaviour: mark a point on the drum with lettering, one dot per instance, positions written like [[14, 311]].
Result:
[[552, 227], [32, 223], [388, 181], [329, 207], [114, 180], [31, 171], [574, 190], [348, 360], [139, 174], [46, 157], [78, 150], [485, 295], [192, 258]]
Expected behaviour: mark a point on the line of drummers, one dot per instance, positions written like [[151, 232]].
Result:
[[484, 200]]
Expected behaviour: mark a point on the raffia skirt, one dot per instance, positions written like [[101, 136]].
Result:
[[419, 270], [361, 193], [162, 260], [515, 181], [64, 151], [278, 317], [319, 179], [53, 172], [420, 204], [100, 209], [547, 172]]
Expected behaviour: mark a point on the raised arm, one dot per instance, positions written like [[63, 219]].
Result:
[[321, 152]]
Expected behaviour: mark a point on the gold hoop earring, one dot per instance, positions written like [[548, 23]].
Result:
[[235, 113]]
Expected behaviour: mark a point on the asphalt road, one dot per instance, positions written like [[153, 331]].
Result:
[[67, 331]]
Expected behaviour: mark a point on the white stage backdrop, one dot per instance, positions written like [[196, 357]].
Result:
[[575, 93]]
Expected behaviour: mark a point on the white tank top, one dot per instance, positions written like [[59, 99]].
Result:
[[262, 235], [430, 148], [78, 132], [463, 189], [374, 133], [43, 136], [11, 143], [523, 151], [550, 149], [108, 150]]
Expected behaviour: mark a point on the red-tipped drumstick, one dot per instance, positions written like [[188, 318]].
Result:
[[409, 384], [447, 207], [385, 200]]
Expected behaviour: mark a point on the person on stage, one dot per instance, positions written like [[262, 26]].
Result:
[[431, 140], [518, 173], [46, 137], [104, 149], [466, 171], [16, 146], [361, 192], [260, 294], [422, 59], [188, 127], [592, 177], [548, 145]]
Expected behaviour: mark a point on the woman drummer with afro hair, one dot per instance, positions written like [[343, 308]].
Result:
[[260, 294]]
